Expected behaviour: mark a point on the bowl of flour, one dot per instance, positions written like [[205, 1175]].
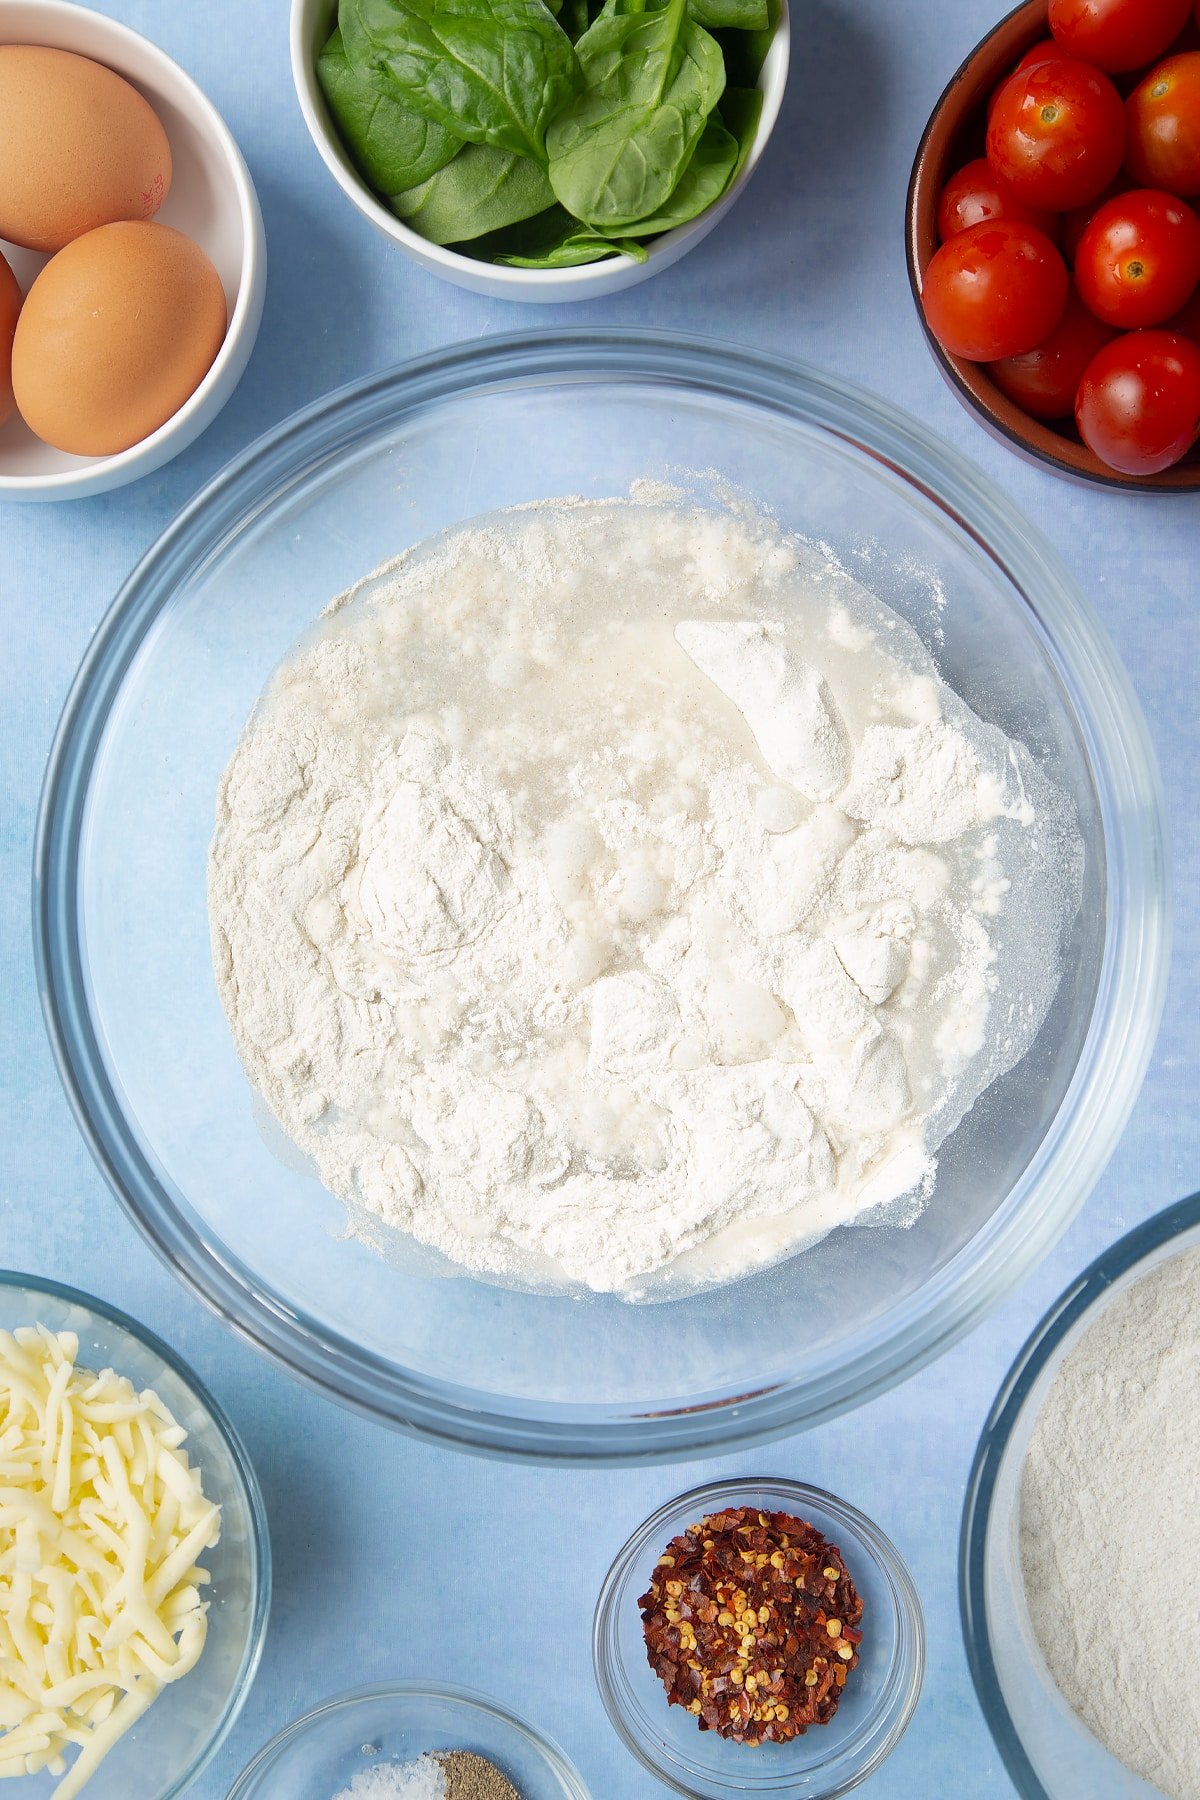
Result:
[[610, 897], [1081, 1539], [587, 959]]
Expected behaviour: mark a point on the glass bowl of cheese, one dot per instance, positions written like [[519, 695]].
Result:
[[162, 1527], [125, 950]]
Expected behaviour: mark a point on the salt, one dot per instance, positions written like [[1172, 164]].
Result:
[[424, 1779]]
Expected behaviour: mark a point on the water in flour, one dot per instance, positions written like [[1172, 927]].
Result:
[[613, 894]]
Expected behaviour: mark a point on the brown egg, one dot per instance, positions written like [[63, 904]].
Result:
[[10, 306], [115, 334], [79, 148]]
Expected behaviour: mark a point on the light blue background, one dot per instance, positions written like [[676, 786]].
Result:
[[392, 1558]]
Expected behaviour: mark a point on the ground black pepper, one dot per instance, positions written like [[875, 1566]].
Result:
[[471, 1777]]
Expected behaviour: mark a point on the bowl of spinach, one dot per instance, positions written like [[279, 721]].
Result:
[[541, 149]]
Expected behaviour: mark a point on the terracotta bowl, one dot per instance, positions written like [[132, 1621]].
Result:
[[954, 135]]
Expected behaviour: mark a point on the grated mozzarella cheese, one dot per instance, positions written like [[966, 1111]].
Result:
[[102, 1520]]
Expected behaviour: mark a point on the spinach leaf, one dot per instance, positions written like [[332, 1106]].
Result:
[[716, 162], [492, 71], [702, 182], [714, 15], [576, 249], [482, 190], [574, 18], [392, 146], [731, 15], [527, 237], [746, 51], [619, 148], [550, 240], [741, 112]]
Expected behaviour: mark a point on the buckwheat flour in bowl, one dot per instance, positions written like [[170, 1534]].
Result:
[[612, 896], [1110, 1527]]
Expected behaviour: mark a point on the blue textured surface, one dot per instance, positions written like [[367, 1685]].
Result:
[[392, 1558]]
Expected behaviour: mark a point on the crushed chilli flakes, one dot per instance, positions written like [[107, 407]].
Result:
[[751, 1623]]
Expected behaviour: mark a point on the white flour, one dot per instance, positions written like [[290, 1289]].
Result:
[[1110, 1528], [610, 891]]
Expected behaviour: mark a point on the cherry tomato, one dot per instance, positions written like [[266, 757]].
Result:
[[1042, 51], [1117, 34], [1139, 401], [1187, 320], [1045, 380], [976, 194], [1139, 259], [1056, 134], [994, 290], [1162, 116], [1076, 222]]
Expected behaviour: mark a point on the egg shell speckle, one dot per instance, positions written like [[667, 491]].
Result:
[[117, 332], [10, 306], [79, 148]]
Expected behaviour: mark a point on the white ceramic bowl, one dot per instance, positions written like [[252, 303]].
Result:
[[312, 21], [212, 200]]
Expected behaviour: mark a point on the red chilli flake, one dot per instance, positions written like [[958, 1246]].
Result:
[[751, 1623]]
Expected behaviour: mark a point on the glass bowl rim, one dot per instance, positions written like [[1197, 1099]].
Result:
[[1078, 1298], [260, 1532], [555, 1757], [1113, 1058], [714, 1495]]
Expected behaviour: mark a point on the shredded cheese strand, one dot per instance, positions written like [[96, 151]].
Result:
[[102, 1519]]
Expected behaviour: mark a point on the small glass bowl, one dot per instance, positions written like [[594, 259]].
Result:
[[878, 1701], [319, 1755], [1048, 1751], [160, 1756]]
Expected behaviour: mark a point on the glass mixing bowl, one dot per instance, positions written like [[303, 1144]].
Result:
[[319, 1755], [826, 1761], [122, 932], [160, 1756], [1049, 1753]]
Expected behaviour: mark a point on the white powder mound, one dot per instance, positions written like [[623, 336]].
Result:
[[612, 895], [1110, 1528], [424, 1779]]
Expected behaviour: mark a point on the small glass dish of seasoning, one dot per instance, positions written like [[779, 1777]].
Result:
[[410, 1738], [800, 1704]]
